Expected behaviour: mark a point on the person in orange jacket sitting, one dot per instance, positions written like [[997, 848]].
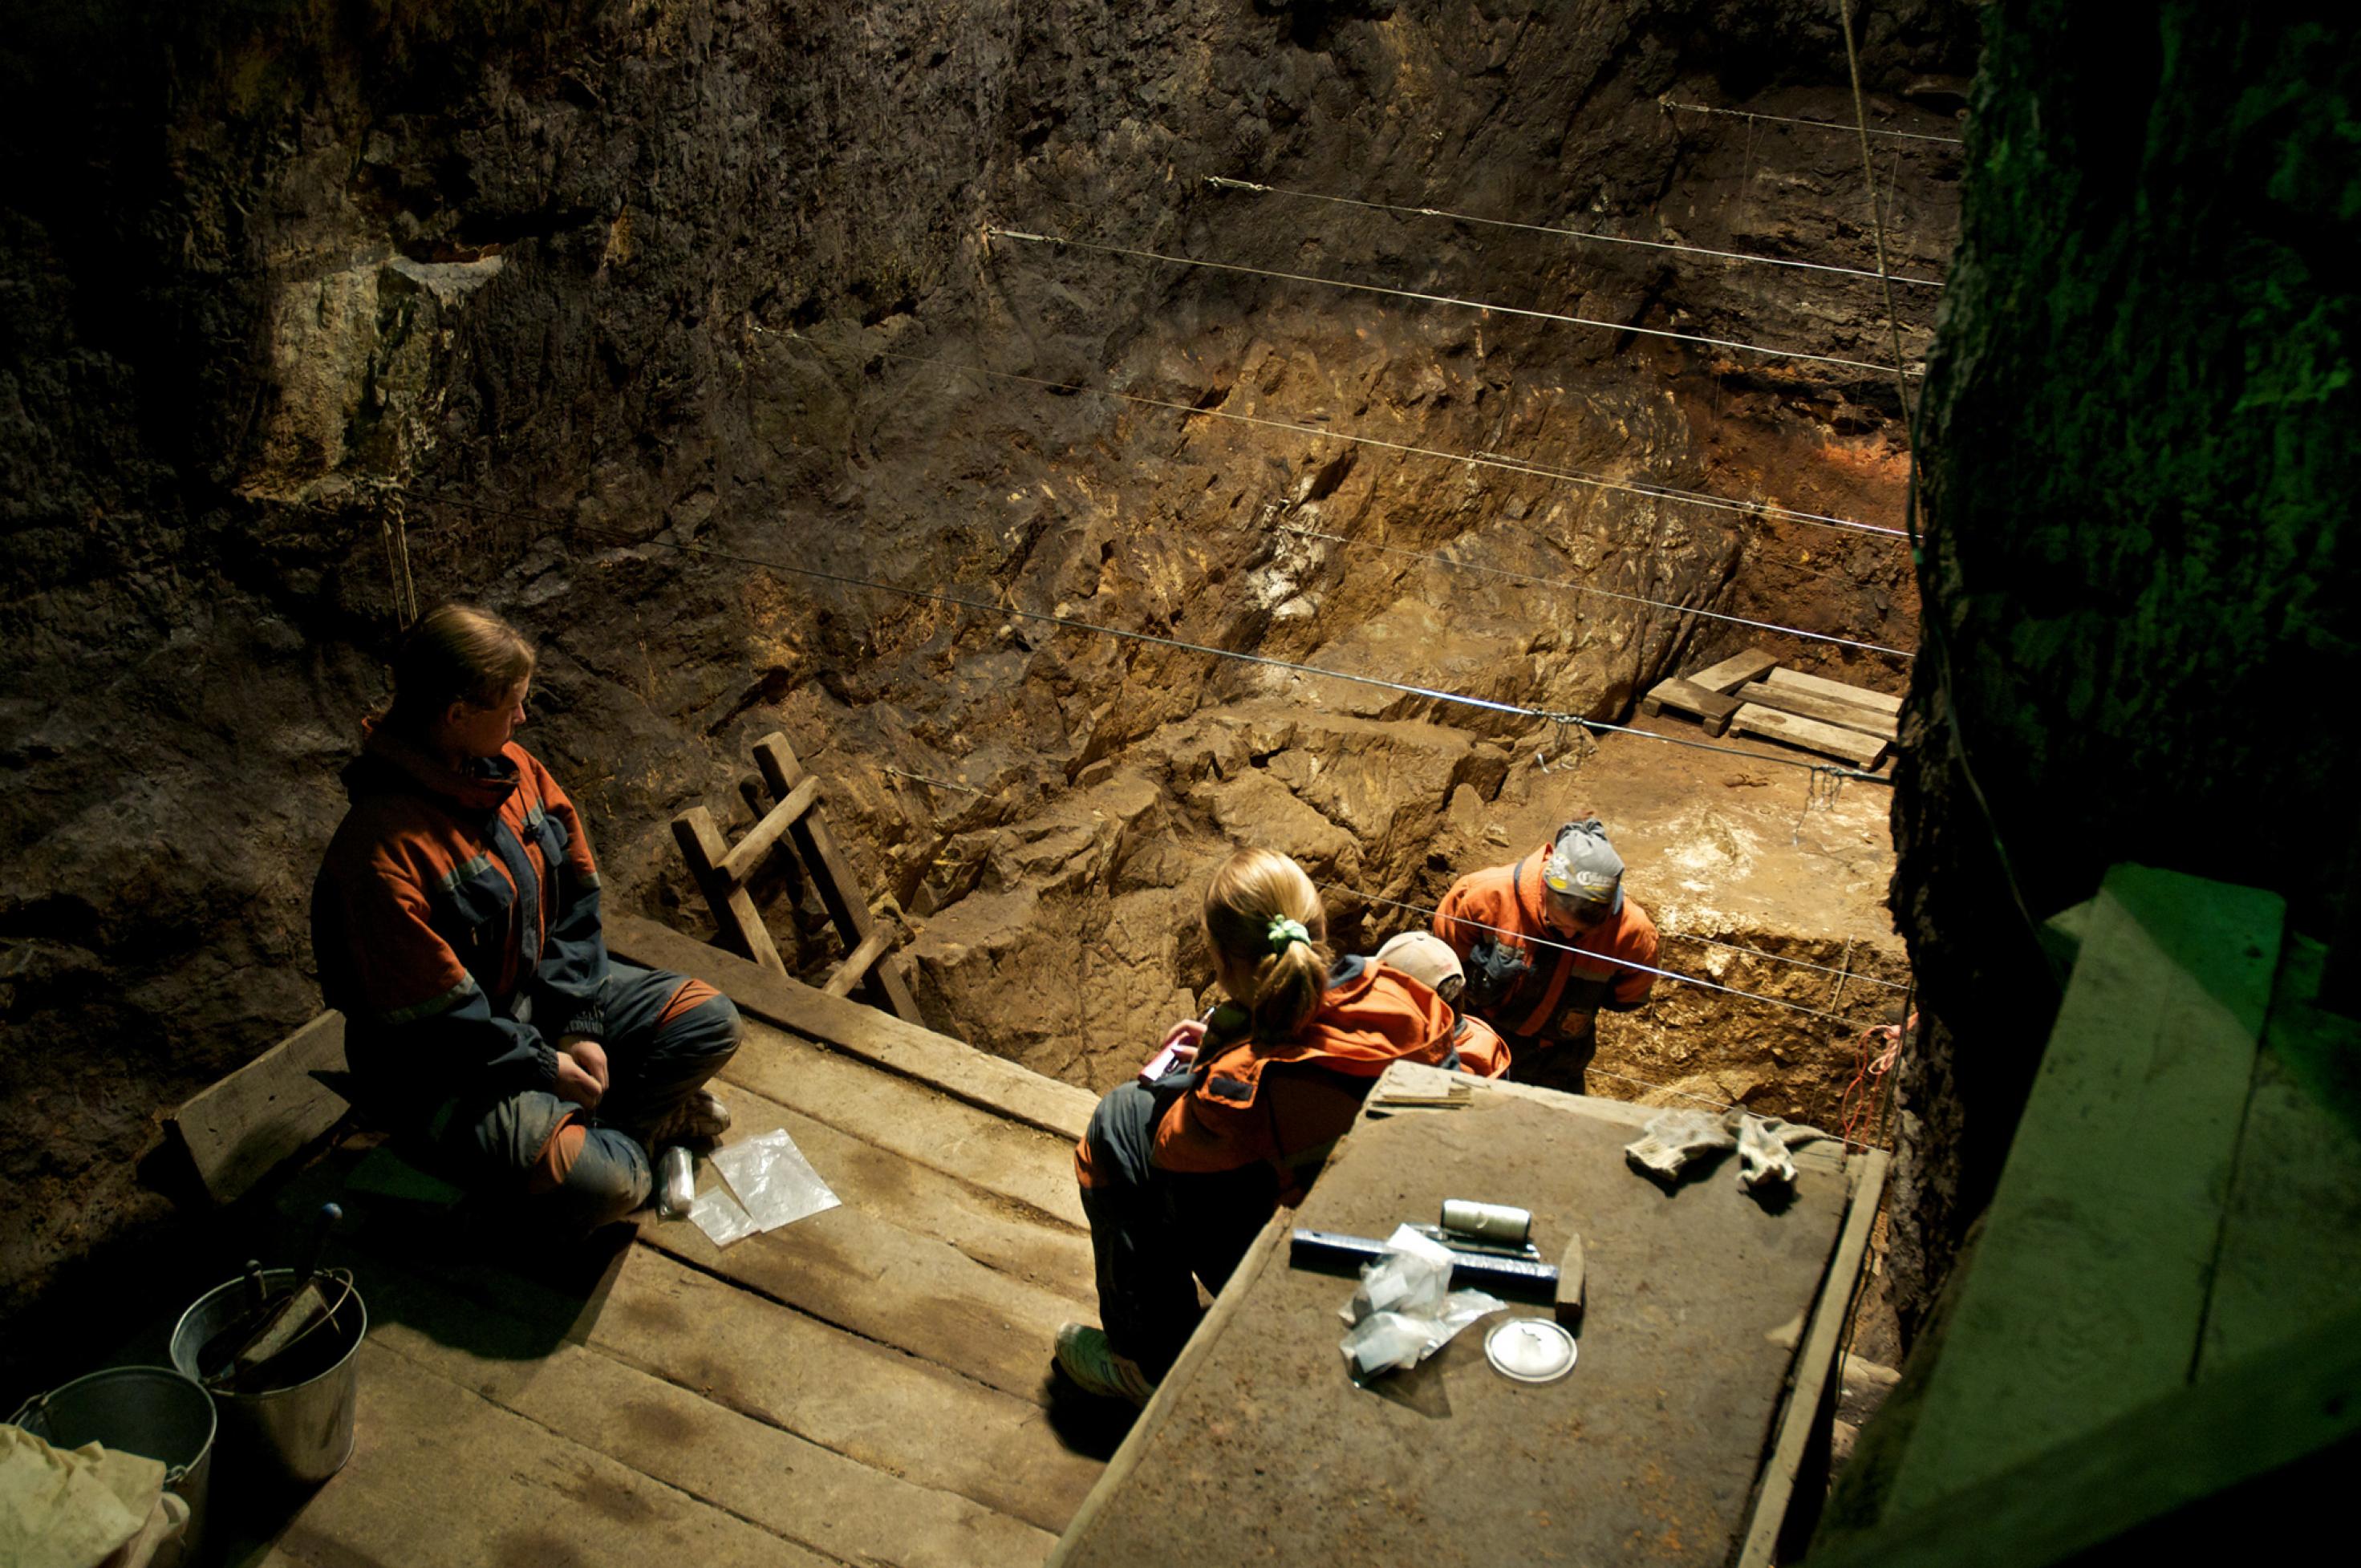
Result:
[[455, 920], [1178, 1175], [1547, 941]]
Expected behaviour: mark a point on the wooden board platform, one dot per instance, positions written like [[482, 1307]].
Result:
[[1861, 751], [233, 1131], [1259, 1448], [2087, 1292], [871, 1385], [1875, 722]]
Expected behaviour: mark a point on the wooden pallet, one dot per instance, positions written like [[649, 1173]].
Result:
[[723, 871], [1749, 693]]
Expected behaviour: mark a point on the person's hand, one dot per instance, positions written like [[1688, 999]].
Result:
[[1177, 1051], [582, 1073], [1183, 1040]]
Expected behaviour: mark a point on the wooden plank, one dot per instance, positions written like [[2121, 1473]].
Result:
[[237, 1129], [804, 1493], [1711, 708], [2273, 1412], [747, 855], [1816, 1365], [702, 845], [1649, 1450], [444, 1478], [1861, 751], [869, 1402], [1013, 1238], [855, 967], [1733, 671], [1860, 696], [2084, 1298], [1020, 1165], [865, 1273], [839, 890], [1868, 721], [2291, 1254], [957, 1069]]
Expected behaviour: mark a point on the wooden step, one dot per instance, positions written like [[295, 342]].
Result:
[[806, 1494], [857, 962], [867, 1401], [1009, 1237], [482, 1486], [1014, 1093], [1021, 1165], [749, 853], [707, 851]]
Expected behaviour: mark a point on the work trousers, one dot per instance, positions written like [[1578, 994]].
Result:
[[666, 1034], [1155, 1232]]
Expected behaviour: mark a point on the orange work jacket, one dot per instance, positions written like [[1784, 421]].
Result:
[[1503, 906], [1286, 1102]]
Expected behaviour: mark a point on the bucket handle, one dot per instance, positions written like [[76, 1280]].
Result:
[[342, 1278], [34, 1408]]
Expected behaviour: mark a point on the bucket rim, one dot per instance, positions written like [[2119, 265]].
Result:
[[353, 1294], [173, 1474]]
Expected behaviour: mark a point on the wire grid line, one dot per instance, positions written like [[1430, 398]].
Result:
[[1224, 182], [1667, 103], [1784, 959], [1172, 260], [1877, 223], [1481, 459], [1604, 957], [939, 783], [1441, 559], [1433, 694]]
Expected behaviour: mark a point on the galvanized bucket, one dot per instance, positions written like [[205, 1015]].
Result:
[[304, 1434], [148, 1410]]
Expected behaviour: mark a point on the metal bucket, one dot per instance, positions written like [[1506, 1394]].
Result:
[[148, 1410], [300, 1434]]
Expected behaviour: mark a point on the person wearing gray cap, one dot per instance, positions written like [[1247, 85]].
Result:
[[1546, 942]]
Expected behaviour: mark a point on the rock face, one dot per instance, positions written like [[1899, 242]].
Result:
[[2138, 479], [313, 317]]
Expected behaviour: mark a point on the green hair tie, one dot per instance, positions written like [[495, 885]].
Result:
[[1283, 931]]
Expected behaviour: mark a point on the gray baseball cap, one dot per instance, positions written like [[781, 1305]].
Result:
[[1583, 866]]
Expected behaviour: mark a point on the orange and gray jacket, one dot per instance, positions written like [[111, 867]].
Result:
[[1284, 1103], [1524, 977], [456, 924]]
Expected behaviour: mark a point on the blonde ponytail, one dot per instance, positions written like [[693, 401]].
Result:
[[1263, 917]]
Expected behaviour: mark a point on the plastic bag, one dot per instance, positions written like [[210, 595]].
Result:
[[773, 1180], [1404, 1308], [719, 1217]]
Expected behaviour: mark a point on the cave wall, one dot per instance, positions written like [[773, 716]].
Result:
[[2139, 454], [310, 308]]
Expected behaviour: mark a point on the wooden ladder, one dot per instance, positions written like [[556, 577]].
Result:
[[723, 871]]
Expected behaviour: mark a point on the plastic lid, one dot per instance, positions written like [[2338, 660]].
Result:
[[1530, 1349]]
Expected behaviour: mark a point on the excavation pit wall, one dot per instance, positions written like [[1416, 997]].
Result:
[[1066, 937]]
